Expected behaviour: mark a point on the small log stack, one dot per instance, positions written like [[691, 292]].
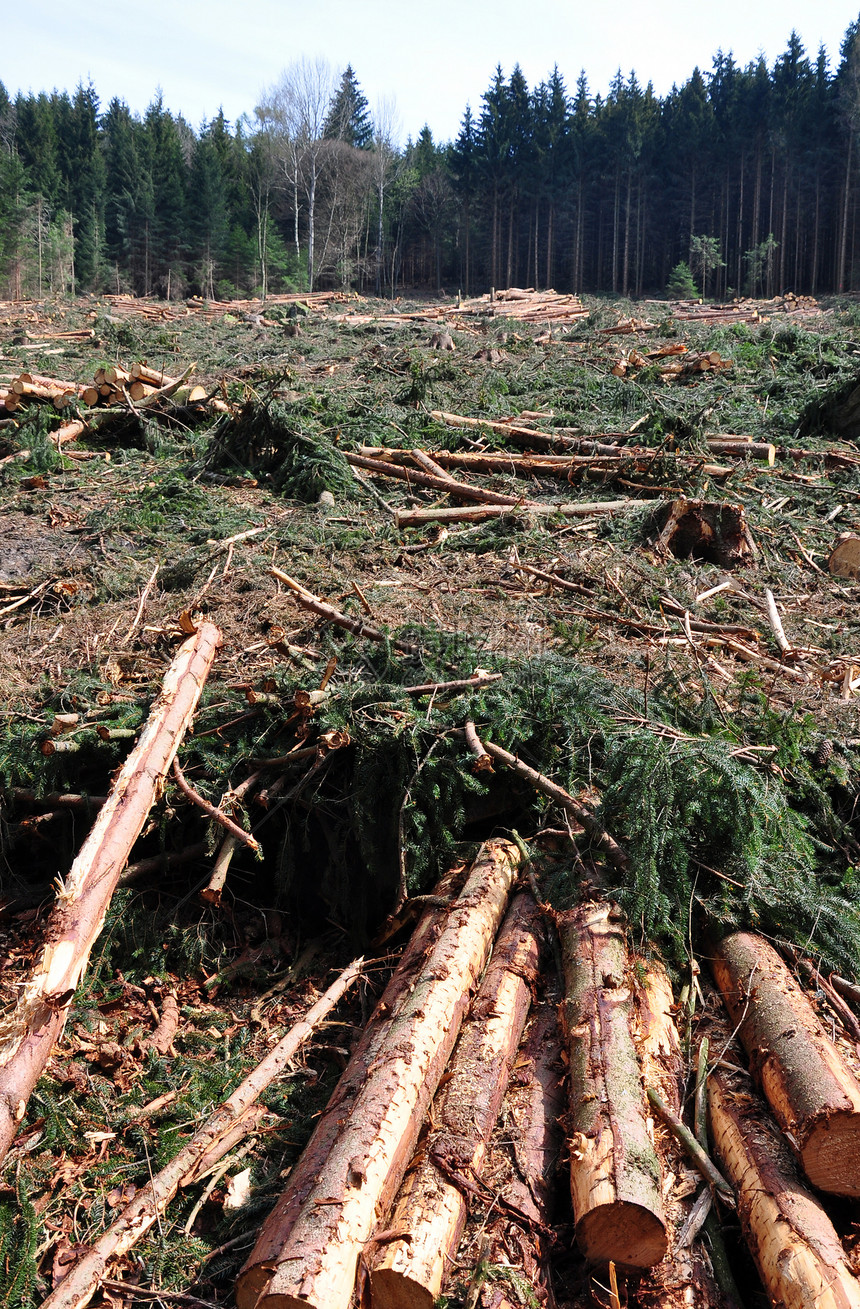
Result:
[[308, 1251], [814, 1096]]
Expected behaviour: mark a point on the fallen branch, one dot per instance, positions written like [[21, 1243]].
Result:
[[482, 513], [697, 1155], [208, 1144], [327, 611], [217, 815], [28, 1035], [447, 484], [601, 838]]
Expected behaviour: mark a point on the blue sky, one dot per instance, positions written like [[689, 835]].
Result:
[[430, 59]]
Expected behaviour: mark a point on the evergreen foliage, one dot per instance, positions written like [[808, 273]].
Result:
[[541, 187]]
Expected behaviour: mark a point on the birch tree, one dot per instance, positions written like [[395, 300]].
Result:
[[294, 111]]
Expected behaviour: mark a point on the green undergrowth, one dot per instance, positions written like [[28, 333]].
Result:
[[714, 841]]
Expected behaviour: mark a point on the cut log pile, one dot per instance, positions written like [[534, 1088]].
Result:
[[138, 386], [378, 1201]]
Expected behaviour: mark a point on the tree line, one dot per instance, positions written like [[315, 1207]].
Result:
[[742, 180]]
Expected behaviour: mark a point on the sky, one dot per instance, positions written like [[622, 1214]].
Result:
[[429, 59]]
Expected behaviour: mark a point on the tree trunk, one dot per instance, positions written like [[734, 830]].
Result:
[[431, 1208], [814, 1096], [28, 1035], [614, 1172], [795, 1247], [308, 1250]]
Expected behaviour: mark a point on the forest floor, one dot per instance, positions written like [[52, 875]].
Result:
[[114, 546]]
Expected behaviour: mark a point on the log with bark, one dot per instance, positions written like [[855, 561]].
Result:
[[28, 1034], [308, 1250], [814, 1095], [798, 1254], [431, 1206], [614, 1171], [220, 1132]]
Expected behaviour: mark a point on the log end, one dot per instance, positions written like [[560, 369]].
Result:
[[830, 1154], [622, 1233], [390, 1289], [251, 1283]]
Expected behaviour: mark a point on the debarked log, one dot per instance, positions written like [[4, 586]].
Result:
[[28, 1035], [814, 1095], [794, 1244], [431, 1207], [614, 1171], [307, 1253]]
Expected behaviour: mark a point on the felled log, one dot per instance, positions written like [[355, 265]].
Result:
[[482, 513], [844, 558], [431, 1206], [462, 490], [813, 1094], [717, 533], [220, 1132], [798, 1254], [308, 1249], [614, 1172], [684, 1279], [27, 1036]]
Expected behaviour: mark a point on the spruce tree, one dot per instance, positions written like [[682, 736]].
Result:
[[348, 117]]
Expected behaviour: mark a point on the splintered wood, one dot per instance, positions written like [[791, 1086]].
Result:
[[27, 1036]]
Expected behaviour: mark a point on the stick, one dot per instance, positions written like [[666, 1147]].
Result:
[[214, 813], [327, 611], [610, 847], [695, 1153], [776, 623], [81, 1283]]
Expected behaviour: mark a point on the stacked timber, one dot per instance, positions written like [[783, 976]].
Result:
[[309, 1249], [429, 1214], [813, 1094]]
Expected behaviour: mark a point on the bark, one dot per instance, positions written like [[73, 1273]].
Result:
[[614, 1171], [430, 1208], [797, 1252], [221, 1131], [813, 1094], [308, 1249], [28, 1035]]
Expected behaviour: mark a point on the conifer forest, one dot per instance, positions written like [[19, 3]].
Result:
[[430, 729], [748, 177]]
